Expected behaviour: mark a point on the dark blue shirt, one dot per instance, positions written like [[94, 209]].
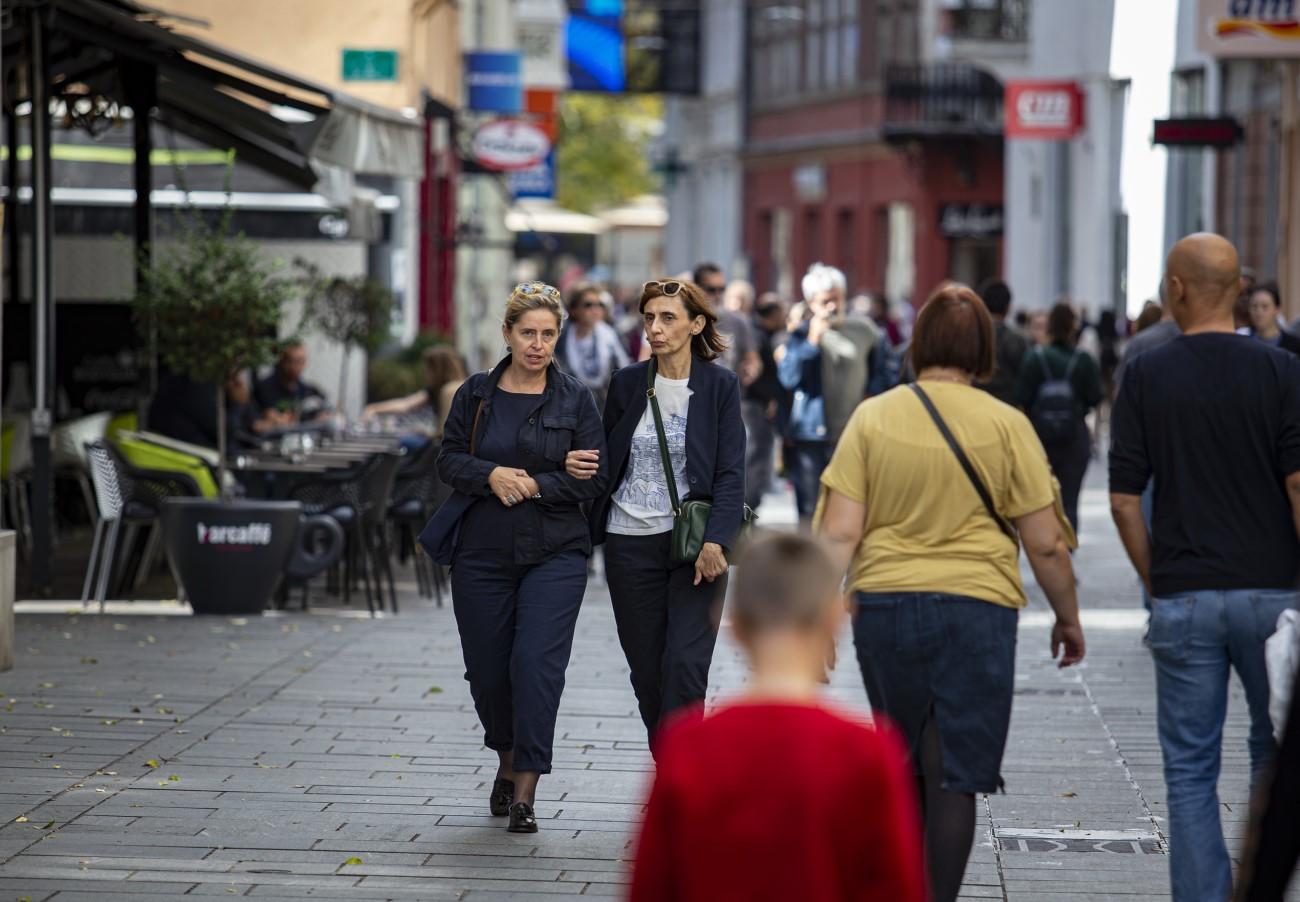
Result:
[[1215, 419], [489, 524]]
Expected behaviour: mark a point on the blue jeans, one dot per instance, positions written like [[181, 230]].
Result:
[[1195, 638]]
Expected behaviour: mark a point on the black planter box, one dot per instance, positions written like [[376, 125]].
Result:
[[231, 555]]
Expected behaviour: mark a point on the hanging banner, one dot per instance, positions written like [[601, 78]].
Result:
[[1044, 110], [510, 144]]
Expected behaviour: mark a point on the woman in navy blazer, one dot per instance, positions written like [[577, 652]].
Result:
[[664, 610]]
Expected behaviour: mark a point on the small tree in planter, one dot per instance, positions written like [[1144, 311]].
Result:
[[355, 312], [214, 305]]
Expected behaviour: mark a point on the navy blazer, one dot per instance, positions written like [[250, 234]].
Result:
[[715, 445], [562, 419]]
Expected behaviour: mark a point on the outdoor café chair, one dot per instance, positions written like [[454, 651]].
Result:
[[127, 497], [352, 497], [416, 495]]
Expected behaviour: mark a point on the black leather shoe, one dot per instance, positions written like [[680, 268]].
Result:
[[503, 793], [522, 819]]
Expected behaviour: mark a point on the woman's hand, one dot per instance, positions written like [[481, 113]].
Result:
[[1067, 641], [582, 464], [711, 563], [512, 486]]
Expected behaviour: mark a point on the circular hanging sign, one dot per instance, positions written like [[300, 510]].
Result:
[[508, 144]]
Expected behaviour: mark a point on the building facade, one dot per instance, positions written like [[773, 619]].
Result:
[[1239, 61], [865, 150]]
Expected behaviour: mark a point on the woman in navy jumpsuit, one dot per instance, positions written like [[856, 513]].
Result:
[[517, 540]]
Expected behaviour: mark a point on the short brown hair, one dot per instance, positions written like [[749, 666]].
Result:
[[783, 581], [709, 344], [954, 330]]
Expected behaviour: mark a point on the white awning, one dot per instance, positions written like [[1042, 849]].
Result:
[[361, 137], [549, 219]]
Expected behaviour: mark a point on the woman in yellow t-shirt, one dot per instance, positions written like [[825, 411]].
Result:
[[934, 568]]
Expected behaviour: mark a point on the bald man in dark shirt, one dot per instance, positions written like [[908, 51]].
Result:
[[1214, 417]]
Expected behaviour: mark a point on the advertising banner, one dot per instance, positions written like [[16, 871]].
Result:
[[1043, 110], [1258, 29]]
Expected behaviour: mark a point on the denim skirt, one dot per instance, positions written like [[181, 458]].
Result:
[[949, 657]]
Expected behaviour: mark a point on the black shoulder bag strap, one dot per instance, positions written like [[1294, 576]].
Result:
[[651, 371], [965, 464]]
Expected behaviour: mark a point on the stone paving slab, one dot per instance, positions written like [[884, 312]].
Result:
[[327, 757]]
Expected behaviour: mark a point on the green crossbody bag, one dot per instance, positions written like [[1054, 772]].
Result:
[[690, 518]]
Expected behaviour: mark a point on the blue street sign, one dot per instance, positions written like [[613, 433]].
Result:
[[495, 81], [536, 181]]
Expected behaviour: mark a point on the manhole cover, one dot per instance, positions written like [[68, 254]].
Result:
[[1116, 842]]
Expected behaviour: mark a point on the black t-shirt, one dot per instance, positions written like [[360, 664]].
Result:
[[1215, 419], [304, 399], [489, 525]]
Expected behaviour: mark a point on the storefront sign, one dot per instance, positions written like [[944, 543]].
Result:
[[510, 144], [494, 81], [1043, 110], [1223, 132], [970, 220], [1262, 29], [535, 181], [369, 65]]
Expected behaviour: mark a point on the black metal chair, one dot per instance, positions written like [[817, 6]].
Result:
[[416, 495], [357, 498]]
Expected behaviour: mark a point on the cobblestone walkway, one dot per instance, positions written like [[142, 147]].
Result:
[[333, 757]]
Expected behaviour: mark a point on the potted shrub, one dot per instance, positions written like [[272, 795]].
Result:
[[212, 305], [356, 312]]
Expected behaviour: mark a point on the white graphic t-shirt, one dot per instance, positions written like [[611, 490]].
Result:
[[641, 505]]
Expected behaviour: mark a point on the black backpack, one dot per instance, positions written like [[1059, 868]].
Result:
[[1054, 412]]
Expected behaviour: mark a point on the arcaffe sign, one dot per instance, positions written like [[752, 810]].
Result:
[[970, 220], [1045, 110]]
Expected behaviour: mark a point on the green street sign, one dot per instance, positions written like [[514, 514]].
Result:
[[369, 65]]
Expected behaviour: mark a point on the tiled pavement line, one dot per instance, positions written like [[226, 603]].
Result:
[[997, 851], [1128, 772], [159, 748]]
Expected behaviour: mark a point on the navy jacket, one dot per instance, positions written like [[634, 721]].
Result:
[[715, 445], [563, 419]]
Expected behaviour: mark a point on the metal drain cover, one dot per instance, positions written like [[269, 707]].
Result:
[[1116, 842]]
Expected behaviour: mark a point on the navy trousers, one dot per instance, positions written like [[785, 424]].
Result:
[[516, 631], [666, 624]]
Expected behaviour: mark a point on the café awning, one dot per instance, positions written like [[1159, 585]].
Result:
[[213, 94]]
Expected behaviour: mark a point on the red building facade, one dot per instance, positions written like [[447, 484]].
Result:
[[887, 168]]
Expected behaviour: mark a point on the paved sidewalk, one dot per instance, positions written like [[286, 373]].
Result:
[[339, 758]]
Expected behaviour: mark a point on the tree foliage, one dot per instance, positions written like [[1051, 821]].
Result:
[[212, 302], [356, 312], [603, 155]]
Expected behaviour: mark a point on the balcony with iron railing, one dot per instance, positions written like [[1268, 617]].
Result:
[[941, 100]]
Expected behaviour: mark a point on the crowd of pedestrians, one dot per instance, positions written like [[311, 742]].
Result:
[[915, 500]]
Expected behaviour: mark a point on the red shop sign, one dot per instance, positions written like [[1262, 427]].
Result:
[[1046, 110]]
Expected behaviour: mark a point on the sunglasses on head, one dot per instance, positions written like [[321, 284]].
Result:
[[537, 288], [667, 289]]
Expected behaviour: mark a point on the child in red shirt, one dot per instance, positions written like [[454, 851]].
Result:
[[777, 795]]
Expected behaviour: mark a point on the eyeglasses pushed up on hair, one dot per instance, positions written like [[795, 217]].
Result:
[[537, 288], [667, 289]]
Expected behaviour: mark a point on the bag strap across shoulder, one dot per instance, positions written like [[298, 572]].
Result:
[[966, 465], [651, 372]]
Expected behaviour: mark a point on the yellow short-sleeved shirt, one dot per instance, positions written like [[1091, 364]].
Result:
[[926, 528]]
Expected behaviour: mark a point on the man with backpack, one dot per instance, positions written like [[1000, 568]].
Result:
[[1058, 386]]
